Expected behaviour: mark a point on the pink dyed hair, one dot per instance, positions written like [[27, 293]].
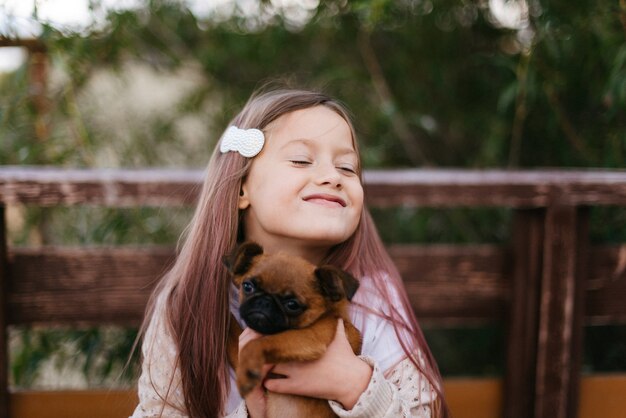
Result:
[[198, 284]]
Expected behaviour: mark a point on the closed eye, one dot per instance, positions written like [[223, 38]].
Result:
[[348, 169], [300, 162]]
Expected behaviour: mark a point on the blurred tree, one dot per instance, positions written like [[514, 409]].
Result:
[[442, 83]]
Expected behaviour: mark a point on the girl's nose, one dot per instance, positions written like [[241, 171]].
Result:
[[327, 174]]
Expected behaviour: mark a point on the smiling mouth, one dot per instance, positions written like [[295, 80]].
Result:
[[326, 200]]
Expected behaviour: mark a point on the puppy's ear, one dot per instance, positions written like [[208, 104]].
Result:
[[240, 260], [336, 283]]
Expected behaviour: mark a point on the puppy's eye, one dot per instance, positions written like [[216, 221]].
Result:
[[248, 287], [292, 306]]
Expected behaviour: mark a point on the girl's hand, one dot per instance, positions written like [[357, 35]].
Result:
[[338, 375], [255, 401]]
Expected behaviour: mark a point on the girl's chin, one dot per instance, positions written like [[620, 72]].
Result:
[[328, 239]]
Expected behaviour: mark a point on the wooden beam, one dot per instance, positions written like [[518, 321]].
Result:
[[455, 284], [601, 396], [447, 284], [84, 286], [473, 397], [560, 319], [46, 186], [30, 44], [73, 403], [468, 398], [581, 275], [521, 355], [486, 188]]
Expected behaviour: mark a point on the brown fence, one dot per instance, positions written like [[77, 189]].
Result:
[[544, 285]]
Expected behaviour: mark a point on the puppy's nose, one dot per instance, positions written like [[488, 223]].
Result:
[[264, 302], [258, 320]]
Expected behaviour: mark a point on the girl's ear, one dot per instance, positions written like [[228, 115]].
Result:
[[244, 200]]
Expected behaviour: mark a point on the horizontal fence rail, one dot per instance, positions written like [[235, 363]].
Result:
[[384, 188], [447, 284], [468, 397]]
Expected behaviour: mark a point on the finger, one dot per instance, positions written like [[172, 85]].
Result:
[[248, 335], [340, 334], [266, 369], [286, 385], [340, 327], [289, 368], [284, 369]]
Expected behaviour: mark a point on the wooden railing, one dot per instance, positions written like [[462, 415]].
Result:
[[545, 285]]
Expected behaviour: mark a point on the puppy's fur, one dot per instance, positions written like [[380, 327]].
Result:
[[297, 306]]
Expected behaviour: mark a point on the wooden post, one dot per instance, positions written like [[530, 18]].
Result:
[[38, 67], [582, 276], [4, 343], [519, 382], [560, 315]]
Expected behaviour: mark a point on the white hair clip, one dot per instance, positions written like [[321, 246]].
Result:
[[247, 142]]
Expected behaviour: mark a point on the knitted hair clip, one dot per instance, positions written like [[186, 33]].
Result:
[[247, 142]]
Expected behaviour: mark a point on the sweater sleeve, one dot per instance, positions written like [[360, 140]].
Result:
[[404, 393], [240, 412], [159, 386]]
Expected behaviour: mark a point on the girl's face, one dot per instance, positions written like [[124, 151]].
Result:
[[303, 190]]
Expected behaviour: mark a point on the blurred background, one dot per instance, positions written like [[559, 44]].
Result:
[[469, 84]]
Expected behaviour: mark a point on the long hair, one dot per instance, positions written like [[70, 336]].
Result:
[[198, 285]]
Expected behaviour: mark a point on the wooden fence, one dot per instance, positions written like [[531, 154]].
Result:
[[545, 285]]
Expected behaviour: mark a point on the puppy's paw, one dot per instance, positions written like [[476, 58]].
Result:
[[249, 372], [248, 379]]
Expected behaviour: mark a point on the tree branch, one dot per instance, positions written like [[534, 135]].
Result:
[[568, 128], [520, 110], [409, 141]]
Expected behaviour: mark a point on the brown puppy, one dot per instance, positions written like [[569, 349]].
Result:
[[297, 306]]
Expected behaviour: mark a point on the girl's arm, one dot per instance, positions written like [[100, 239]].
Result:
[[403, 393], [159, 387], [355, 386], [339, 374], [254, 404]]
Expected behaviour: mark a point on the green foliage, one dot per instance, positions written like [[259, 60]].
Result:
[[605, 349], [469, 92], [94, 352], [441, 225], [607, 225], [483, 348]]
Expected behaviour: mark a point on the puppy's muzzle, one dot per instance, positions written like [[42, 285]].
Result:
[[264, 314]]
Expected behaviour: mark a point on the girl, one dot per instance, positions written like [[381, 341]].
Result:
[[287, 175]]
